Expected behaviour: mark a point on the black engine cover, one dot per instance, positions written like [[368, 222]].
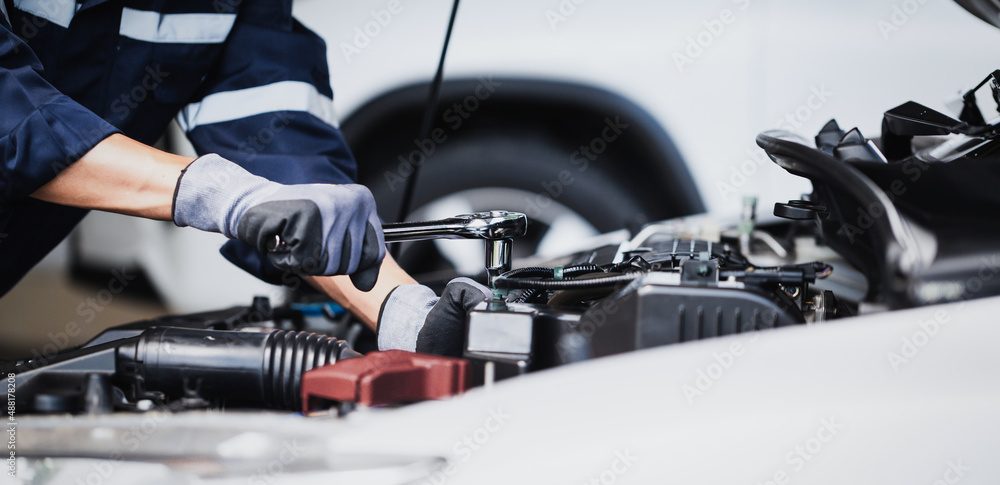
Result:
[[649, 315]]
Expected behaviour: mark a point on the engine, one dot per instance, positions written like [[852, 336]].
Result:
[[662, 287], [659, 288]]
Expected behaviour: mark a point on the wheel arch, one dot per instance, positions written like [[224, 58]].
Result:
[[567, 114]]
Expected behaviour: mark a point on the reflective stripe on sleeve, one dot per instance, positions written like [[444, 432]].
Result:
[[234, 105], [59, 12], [3, 10], [176, 28]]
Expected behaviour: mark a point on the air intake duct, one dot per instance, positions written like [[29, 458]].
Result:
[[253, 367]]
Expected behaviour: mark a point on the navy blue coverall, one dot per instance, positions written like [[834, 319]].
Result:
[[243, 78]]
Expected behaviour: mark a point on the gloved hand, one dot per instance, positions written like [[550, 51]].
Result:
[[323, 229], [414, 318]]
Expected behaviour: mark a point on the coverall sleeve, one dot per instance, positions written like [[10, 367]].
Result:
[[267, 106], [41, 130]]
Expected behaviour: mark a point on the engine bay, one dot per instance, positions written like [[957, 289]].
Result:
[[868, 239], [672, 282]]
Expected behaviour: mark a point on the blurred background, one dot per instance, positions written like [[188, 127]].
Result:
[[589, 115]]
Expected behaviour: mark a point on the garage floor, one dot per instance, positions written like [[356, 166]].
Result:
[[47, 311]]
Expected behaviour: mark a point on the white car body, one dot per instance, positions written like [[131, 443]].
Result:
[[903, 397], [774, 65]]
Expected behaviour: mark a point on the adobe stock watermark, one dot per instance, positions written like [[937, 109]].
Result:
[[472, 442], [801, 454], [573, 346], [124, 104], [901, 14], [706, 377], [721, 362], [989, 267], [911, 344], [954, 473], [258, 142], [455, 117], [712, 29], [622, 462], [32, 23], [122, 107], [267, 473], [562, 12], [917, 340], [91, 132], [372, 28], [740, 173], [867, 215], [87, 311], [581, 159], [11, 461], [129, 442], [226, 6]]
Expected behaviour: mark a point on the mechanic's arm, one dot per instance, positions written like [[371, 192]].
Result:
[[58, 151], [119, 175], [364, 305], [323, 229], [124, 176], [272, 114]]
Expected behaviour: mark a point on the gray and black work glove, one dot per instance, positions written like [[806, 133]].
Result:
[[314, 229], [414, 318]]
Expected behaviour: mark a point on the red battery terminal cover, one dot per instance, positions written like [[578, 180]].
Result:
[[388, 377]]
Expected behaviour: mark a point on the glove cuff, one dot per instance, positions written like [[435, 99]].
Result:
[[444, 330], [212, 193], [402, 317], [177, 188]]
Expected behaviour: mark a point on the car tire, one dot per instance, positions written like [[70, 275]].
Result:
[[528, 174]]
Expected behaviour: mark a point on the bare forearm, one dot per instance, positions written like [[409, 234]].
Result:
[[119, 175], [364, 305], [124, 176]]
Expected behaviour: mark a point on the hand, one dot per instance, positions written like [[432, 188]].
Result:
[[414, 318], [314, 229]]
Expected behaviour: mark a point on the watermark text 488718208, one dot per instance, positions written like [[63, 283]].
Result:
[[11, 462]]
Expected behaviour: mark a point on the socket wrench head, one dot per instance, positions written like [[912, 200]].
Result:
[[490, 225], [495, 224], [496, 227]]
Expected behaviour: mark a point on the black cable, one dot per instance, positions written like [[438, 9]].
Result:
[[571, 271], [529, 272], [527, 295], [543, 272], [428, 123], [528, 284], [568, 272]]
